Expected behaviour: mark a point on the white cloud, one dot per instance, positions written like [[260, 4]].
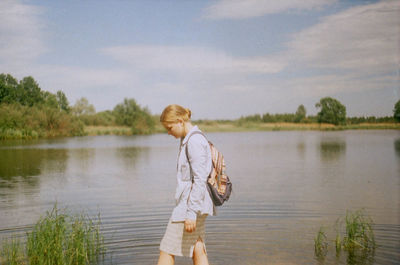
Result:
[[188, 58], [77, 78], [361, 39], [20, 33], [356, 50], [331, 84], [239, 9]]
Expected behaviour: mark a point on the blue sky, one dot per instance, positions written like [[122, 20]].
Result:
[[222, 59]]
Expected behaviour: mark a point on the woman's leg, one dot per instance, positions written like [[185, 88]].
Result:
[[166, 259], [199, 253]]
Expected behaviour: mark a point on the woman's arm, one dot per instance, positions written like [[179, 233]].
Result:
[[198, 157]]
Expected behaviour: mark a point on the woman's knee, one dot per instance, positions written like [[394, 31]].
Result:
[[199, 248], [166, 258]]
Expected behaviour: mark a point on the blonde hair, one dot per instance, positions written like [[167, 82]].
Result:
[[174, 112]]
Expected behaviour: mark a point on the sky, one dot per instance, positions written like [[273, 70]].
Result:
[[222, 59]]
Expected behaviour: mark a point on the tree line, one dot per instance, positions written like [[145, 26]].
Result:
[[27, 111], [331, 111]]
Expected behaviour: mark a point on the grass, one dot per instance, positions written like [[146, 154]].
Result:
[[320, 244], [12, 252], [108, 130], [287, 126], [233, 126], [58, 238], [359, 232], [356, 238], [25, 134]]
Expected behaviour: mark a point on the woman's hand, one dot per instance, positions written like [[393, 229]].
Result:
[[190, 225]]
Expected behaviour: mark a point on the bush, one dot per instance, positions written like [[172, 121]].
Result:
[[23, 122], [129, 113]]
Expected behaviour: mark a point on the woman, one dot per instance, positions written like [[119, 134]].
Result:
[[185, 231]]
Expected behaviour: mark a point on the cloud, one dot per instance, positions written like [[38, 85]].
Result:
[[331, 84], [20, 33], [363, 39], [192, 59], [78, 78], [238, 9]]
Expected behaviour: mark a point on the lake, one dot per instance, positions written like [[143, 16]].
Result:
[[286, 186]]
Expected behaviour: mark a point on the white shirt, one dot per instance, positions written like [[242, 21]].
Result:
[[193, 198]]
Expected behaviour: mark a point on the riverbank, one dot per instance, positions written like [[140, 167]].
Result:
[[207, 126], [228, 126]]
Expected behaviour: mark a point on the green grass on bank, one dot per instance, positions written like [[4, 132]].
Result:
[[207, 126], [232, 126], [57, 238]]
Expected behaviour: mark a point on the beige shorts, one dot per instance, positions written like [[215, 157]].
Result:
[[178, 242]]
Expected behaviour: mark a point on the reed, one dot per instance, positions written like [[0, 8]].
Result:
[[359, 232], [12, 252], [320, 244], [356, 238], [58, 238]]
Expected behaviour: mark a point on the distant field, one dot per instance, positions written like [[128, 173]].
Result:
[[212, 126]]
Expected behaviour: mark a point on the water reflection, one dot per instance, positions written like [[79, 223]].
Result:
[[27, 163], [301, 149], [332, 150], [397, 146], [81, 159], [129, 155], [19, 162]]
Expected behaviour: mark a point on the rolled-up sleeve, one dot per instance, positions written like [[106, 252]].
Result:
[[198, 157]]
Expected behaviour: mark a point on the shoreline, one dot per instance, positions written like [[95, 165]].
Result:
[[214, 126], [249, 127]]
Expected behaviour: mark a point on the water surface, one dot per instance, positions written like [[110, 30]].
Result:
[[286, 185]]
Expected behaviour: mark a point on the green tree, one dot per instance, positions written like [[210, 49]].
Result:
[[82, 107], [8, 88], [332, 111], [129, 113], [268, 118], [300, 114], [63, 101], [29, 92], [396, 111], [50, 100]]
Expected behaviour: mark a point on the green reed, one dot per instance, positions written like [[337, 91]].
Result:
[[356, 238], [12, 252], [359, 232], [60, 238], [320, 244]]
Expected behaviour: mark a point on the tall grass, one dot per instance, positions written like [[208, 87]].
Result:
[[59, 238], [320, 244], [359, 232], [356, 238], [12, 252]]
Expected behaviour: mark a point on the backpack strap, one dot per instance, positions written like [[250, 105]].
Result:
[[187, 152]]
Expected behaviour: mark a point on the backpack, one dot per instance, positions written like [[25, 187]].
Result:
[[219, 185]]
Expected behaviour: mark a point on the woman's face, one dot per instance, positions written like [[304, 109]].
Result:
[[175, 129]]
